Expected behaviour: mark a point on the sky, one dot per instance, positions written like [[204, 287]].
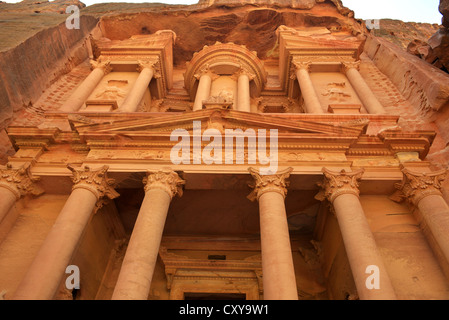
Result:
[[405, 10]]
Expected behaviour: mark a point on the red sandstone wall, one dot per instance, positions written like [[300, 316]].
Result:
[[31, 67]]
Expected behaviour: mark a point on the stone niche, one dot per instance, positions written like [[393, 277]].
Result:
[[227, 67]]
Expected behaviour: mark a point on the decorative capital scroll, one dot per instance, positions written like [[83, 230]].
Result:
[[416, 185], [346, 65], [269, 183], [151, 64], [244, 71], [297, 65], [167, 180], [105, 65], [96, 181], [205, 69], [337, 183], [19, 181]]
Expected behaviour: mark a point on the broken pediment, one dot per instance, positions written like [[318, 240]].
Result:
[[220, 119]]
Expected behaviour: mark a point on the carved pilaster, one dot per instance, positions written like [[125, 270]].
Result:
[[337, 183], [96, 181], [269, 183], [346, 65], [169, 181], [105, 65], [19, 181], [416, 185]]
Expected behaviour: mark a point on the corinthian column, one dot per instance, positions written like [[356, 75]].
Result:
[[423, 191], [311, 101], [243, 91], [15, 183], [137, 92], [205, 77], [341, 189], [79, 97], [364, 92], [48, 267], [279, 282], [137, 269]]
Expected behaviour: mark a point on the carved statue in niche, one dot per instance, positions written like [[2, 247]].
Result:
[[113, 90], [335, 91]]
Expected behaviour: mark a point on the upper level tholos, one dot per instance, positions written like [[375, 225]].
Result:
[[311, 74]]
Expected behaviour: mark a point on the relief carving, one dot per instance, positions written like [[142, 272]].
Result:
[[167, 180], [19, 181], [96, 181], [269, 183], [337, 183], [416, 185]]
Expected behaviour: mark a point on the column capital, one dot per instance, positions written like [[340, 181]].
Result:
[[269, 183], [167, 180], [244, 71], [19, 181], [298, 65], [302, 64], [104, 65], [205, 70], [346, 65], [150, 64], [416, 185], [94, 180], [337, 183]]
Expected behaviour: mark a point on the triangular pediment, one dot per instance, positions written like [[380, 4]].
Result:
[[213, 118]]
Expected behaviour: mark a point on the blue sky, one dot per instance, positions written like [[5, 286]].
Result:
[[405, 10]]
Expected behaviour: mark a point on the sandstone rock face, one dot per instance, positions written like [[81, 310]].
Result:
[[55, 6], [28, 69], [444, 9], [197, 28]]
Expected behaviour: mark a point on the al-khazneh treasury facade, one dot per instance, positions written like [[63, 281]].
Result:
[[353, 211]]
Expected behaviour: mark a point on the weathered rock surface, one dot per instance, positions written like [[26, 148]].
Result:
[[239, 24], [31, 67], [438, 43], [444, 9]]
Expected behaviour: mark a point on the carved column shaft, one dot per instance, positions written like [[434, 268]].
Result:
[[341, 189], [311, 100], [279, 281], [137, 269], [137, 92], [80, 95], [243, 94], [203, 91], [8, 199], [423, 190], [364, 92], [48, 267]]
